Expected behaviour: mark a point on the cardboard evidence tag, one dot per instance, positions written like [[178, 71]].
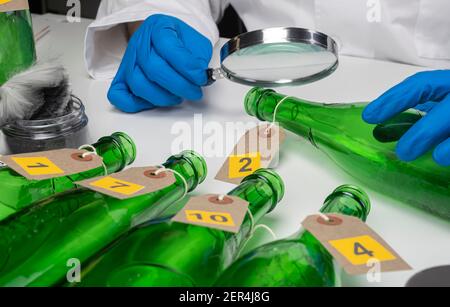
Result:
[[354, 245], [53, 163], [256, 149], [133, 182], [213, 211], [13, 5]]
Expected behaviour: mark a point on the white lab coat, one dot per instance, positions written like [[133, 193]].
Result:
[[408, 31]]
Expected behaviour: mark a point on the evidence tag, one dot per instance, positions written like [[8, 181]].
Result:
[[256, 149], [213, 211], [53, 163], [13, 5], [133, 182], [354, 245]]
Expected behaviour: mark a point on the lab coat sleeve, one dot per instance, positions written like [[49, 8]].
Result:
[[107, 37]]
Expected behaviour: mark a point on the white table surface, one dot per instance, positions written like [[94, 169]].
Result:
[[421, 239]]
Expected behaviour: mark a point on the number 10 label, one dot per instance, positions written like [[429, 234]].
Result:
[[216, 218], [244, 165]]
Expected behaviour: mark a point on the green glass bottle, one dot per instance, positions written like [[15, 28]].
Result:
[[365, 151], [117, 151], [37, 242], [17, 50], [171, 254], [298, 261]]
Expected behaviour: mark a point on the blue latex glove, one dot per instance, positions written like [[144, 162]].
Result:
[[165, 62], [427, 91]]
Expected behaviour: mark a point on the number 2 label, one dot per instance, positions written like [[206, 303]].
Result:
[[243, 165]]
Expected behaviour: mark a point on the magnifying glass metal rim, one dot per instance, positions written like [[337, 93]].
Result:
[[275, 35]]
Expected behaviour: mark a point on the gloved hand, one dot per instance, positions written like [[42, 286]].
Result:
[[428, 91], [165, 62]]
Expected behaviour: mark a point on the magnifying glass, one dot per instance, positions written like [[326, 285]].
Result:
[[277, 57]]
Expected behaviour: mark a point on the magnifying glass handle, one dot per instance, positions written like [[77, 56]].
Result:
[[210, 74], [214, 74]]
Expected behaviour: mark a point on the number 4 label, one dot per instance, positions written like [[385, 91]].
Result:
[[359, 250], [243, 165]]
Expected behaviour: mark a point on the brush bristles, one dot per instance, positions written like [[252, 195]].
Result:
[[40, 92]]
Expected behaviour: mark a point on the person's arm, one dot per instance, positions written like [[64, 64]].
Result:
[[108, 36], [132, 27]]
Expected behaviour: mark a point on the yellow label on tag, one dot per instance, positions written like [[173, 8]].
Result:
[[4, 1], [38, 166], [359, 250], [243, 165], [118, 186], [215, 218]]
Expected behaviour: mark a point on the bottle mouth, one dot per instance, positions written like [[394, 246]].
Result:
[[50, 128], [356, 193], [252, 100], [126, 146], [274, 180], [197, 163]]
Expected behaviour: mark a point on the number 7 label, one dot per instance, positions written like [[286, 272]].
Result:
[[118, 186]]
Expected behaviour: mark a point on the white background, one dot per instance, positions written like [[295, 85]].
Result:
[[421, 239]]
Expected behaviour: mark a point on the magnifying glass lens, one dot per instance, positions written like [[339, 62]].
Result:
[[279, 62]]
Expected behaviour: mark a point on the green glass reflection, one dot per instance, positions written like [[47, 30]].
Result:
[[37, 243], [17, 51], [339, 131]]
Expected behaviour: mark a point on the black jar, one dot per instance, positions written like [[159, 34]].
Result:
[[68, 131]]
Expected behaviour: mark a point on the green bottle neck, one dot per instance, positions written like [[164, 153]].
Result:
[[263, 190], [297, 115], [320, 122], [15, 30], [346, 200], [190, 166], [117, 151]]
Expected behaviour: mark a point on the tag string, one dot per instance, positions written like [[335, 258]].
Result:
[[324, 217], [162, 168], [92, 151], [275, 111], [253, 229]]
